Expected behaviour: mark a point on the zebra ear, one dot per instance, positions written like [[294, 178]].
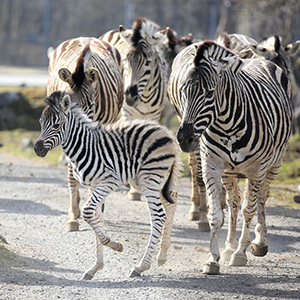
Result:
[[125, 34], [292, 48], [65, 75], [65, 103], [92, 75], [158, 37]]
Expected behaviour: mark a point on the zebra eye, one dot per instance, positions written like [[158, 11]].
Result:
[[209, 94], [56, 126]]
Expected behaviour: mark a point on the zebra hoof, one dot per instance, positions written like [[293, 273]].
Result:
[[134, 196], [120, 249], [257, 250], [194, 215], [161, 262], [211, 268], [203, 227], [226, 256], [72, 226], [135, 273], [238, 260], [87, 276]]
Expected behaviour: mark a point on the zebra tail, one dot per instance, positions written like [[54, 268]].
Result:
[[169, 189]]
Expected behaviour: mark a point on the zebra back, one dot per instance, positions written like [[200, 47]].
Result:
[[80, 55], [145, 70]]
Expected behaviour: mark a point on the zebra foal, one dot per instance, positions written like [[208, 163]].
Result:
[[103, 158], [239, 113]]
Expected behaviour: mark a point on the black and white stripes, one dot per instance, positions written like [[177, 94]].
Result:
[[92, 70], [142, 153], [145, 69], [239, 113]]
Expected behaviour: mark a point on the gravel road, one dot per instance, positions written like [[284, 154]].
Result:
[[43, 261]]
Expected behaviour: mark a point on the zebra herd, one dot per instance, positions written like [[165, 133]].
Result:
[[235, 115]]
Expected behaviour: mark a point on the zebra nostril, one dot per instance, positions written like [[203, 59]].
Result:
[[190, 140]]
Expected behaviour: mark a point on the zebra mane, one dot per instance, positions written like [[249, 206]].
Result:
[[142, 28], [211, 49], [53, 100], [79, 75], [224, 40]]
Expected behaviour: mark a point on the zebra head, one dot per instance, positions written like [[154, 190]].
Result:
[[141, 59], [82, 81], [201, 91], [271, 49], [53, 120]]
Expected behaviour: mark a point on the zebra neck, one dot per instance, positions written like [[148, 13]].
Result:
[[80, 131]]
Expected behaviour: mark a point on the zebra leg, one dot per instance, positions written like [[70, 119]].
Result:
[[166, 234], [212, 175], [95, 220], [157, 216], [259, 246], [239, 257], [194, 212], [133, 194], [74, 211], [233, 201], [99, 263]]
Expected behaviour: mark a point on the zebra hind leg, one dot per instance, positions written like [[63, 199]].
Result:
[[259, 246], [166, 234], [157, 216]]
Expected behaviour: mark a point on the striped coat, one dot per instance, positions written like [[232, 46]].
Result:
[[141, 153], [92, 70], [239, 112]]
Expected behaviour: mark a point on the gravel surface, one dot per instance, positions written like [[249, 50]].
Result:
[[43, 261]]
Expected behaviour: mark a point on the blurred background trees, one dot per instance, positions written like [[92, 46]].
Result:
[[28, 28]]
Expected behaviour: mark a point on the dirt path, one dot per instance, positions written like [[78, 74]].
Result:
[[42, 261]]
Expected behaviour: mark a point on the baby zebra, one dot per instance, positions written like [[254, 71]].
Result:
[[142, 153]]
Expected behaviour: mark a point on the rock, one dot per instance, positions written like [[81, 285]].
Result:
[[16, 112]]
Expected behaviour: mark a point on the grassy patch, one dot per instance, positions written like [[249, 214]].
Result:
[[11, 140]]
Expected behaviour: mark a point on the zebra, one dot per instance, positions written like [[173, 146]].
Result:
[[270, 48], [238, 112], [105, 157], [198, 209], [145, 69], [145, 72], [87, 66]]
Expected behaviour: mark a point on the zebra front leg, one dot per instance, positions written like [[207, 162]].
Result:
[[194, 212], [170, 209], [74, 211], [99, 263], [212, 174], [239, 257], [233, 200], [95, 220], [157, 216]]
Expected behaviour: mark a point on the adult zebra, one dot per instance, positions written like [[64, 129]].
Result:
[[92, 70], [106, 157], [145, 70], [239, 113]]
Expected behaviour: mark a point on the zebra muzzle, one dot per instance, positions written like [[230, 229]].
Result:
[[186, 138], [39, 148]]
